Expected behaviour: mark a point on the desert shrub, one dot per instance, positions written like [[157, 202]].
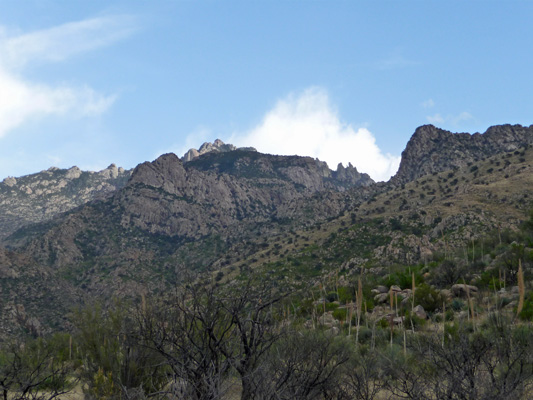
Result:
[[447, 273], [527, 311], [428, 297], [457, 304], [346, 294], [340, 314]]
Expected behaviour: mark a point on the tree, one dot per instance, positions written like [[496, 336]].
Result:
[[192, 332], [35, 370], [305, 365], [116, 364]]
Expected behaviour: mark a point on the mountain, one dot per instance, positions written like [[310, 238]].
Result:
[[224, 213], [435, 150], [39, 197]]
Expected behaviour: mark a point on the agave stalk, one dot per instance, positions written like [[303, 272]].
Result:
[[143, 303], [443, 321], [521, 288], [413, 289], [359, 305], [471, 304], [350, 315], [404, 342], [396, 302]]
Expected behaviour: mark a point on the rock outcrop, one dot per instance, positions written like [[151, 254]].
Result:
[[431, 149], [218, 146], [41, 196]]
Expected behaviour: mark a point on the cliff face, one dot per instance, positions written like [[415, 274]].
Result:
[[431, 149], [41, 196], [218, 194]]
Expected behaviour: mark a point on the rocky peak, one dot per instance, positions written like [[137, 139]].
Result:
[[165, 172], [432, 149], [350, 176], [217, 146]]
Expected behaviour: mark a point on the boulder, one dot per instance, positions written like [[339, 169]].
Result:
[[382, 289], [462, 290], [420, 312], [381, 298]]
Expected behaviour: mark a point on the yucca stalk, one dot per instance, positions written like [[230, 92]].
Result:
[[471, 305], [504, 277], [350, 315], [391, 299], [413, 289], [443, 321], [359, 305], [404, 342], [143, 303], [521, 288]]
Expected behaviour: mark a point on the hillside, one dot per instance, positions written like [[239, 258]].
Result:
[[41, 196], [227, 213]]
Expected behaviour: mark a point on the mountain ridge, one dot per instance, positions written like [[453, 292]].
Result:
[[226, 212], [432, 149]]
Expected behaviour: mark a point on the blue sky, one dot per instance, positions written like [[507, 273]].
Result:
[[90, 83]]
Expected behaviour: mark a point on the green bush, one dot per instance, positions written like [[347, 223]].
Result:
[[340, 314], [527, 311], [428, 298], [346, 294], [458, 304]]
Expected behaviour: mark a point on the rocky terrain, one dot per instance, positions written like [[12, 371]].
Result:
[[218, 146], [121, 233], [435, 150], [39, 197]]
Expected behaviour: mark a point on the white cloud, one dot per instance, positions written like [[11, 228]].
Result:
[[307, 124], [429, 103], [435, 119], [464, 116], [22, 100], [63, 41], [396, 59], [450, 119]]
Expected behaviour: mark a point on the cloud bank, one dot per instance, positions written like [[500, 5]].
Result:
[[22, 100], [307, 124]]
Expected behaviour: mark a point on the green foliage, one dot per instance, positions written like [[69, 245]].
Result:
[[102, 386], [428, 297], [340, 314], [112, 358], [346, 294], [458, 304], [527, 311], [412, 320], [402, 276]]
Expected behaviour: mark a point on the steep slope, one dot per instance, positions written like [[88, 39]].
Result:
[[225, 213], [168, 208], [41, 196], [435, 150]]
